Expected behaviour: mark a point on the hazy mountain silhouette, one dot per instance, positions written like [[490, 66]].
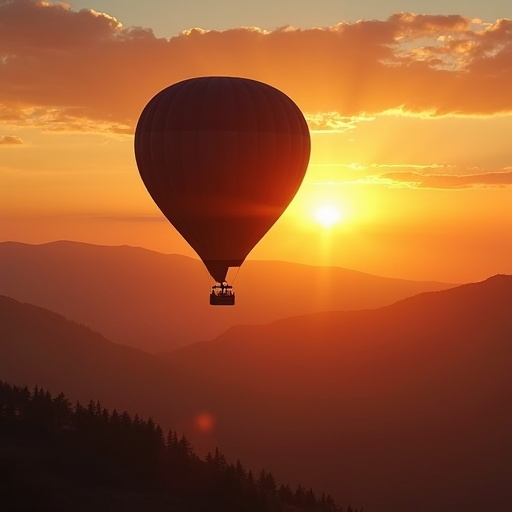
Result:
[[405, 407], [153, 301]]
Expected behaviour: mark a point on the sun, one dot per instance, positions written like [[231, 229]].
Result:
[[328, 215]]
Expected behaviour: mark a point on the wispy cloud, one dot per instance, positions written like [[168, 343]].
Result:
[[446, 181], [10, 140], [85, 71], [333, 122]]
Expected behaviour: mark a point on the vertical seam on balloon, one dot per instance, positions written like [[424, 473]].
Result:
[[266, 132], [210, 87], [235, 222], [283, 119], [262, 92], [189, 225]]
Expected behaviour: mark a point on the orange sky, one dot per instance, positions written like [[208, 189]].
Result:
[[411, 121]]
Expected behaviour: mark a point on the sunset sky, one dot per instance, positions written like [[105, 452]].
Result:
[[409, 104]]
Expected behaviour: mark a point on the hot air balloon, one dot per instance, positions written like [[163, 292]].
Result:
[[222, 157]]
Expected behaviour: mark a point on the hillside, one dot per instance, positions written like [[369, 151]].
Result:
[[399, 408], [152, 301], [60, 457], [406, 404]]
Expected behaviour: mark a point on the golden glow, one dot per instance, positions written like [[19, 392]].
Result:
[[328, 215], [70, 173]]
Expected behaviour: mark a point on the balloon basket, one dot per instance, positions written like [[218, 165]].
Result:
[[222, 295]]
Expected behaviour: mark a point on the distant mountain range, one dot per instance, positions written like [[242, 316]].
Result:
[[159, 302], [399, 408]]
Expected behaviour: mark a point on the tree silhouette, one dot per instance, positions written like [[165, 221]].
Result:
[[97, 449]]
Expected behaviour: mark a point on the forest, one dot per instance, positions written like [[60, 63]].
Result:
[[56, 456]]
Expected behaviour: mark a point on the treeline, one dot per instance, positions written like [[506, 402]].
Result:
[[97, 449]]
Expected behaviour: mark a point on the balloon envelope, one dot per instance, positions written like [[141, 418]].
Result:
[[222, 157]]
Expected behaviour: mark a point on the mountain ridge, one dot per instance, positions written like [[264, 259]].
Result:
[[146, 299], [498, 282]]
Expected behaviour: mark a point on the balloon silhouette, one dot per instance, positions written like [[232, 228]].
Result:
[[222, 157]]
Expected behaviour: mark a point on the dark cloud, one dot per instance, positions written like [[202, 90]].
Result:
[[83, 69]]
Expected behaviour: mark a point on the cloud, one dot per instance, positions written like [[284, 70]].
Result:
[[445, 181], [10, 140], [333, 122], [83, 70]]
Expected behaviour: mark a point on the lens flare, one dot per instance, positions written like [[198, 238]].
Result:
[[204, 422]]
